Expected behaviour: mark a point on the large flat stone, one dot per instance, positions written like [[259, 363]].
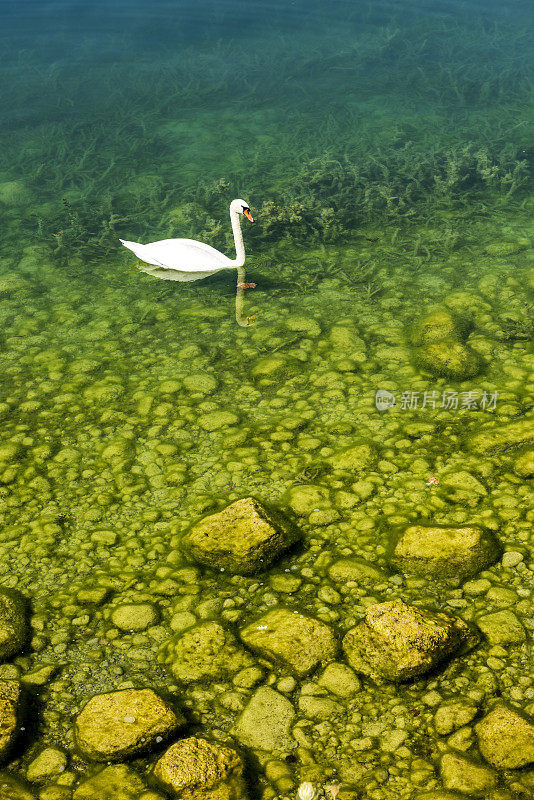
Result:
[[445, 551], [506, 737], [293, 639], [244, 538], [123, 724], [117, 782], [13, 623], [502, 627], [265, 723], [460, 774], [492, 438], [397, 642]]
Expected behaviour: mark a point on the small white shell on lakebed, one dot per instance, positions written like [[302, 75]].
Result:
[[306, 791]]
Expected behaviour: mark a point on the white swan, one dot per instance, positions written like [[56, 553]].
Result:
[[189, 260]]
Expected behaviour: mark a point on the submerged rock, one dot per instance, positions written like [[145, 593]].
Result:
[[453, 715], [117, 782], [449, 359], [244, 538], [196, 768], [50, 763], [524, 464], [502, 627], [435, 327], [397, 642], [13, 789], [123, 724], [295, 640], [502, 438], [355, 569], [265, 723], [10, 709], [445, 551], [205, 652], [464, 775], [506, 737], [13, 625]]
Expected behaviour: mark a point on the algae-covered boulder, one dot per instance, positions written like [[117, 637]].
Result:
[[435, 327], [10, 710], [196, 768], [355, 569], [244, 538], [493, 438], [439, 794], [290, 638], [265, 723], [340, 680], [449, 359], [396, 642], [13, 789], [445, 551], [305, 498], [463, 775], [204, 652], [123, 724], [13, 625], [506, 737], [117, 782]]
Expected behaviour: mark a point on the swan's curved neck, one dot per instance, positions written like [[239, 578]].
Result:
[[238, 239]]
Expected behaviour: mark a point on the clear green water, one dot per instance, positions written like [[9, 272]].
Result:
[[386, 153]]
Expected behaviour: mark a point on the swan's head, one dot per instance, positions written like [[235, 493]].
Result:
[[241, 207]]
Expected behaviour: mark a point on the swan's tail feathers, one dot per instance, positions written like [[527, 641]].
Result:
[[174, 274], [140, 252]]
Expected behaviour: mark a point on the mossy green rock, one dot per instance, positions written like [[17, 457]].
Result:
[[134, 616], [10, 709], [303, 499], [449, 358], [13, 789], [295, 640], [215, 420], [435, 327], [524, 464], [265, 723], [340, 680], [503, 438], [397, 642], [357, 458], [461, 774], [205, 652], [50, 763], [506, 737], [355, 569], [198, 769], [444, 552], [13, 625], [438, 794], [123, 724], [244, 538], [502, 627], [117, 782], [453, 715]]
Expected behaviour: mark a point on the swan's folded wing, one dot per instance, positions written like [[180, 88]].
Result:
[[185, 255]]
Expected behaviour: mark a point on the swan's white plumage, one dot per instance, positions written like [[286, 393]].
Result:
[[187, 259]]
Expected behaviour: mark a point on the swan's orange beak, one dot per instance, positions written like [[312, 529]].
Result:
[[248, 215]]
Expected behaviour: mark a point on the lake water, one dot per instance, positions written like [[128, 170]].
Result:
[[385, 151]]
